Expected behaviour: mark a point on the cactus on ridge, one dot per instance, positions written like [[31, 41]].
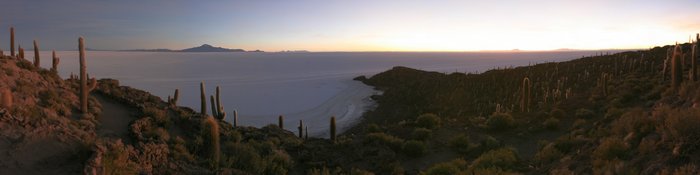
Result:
[[54, 62], [525, 95], [85, 87], [676, 67], [37, 59], [203, 98], [12, 41], [301, 128], [333, 129], [280, 121]]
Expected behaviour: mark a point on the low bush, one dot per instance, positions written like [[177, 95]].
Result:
[[447, 168], [461, 144], [584, 113], [500, 121], [414, 148], [422, 134], [505, 158], [429, 121]]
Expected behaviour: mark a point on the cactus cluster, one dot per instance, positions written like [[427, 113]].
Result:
[[173, 101], [85, 87], [6, 98], [54, 62], [211, 134], [217, 109], [37, 59]]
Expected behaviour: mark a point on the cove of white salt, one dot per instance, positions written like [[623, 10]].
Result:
[[300, 86]]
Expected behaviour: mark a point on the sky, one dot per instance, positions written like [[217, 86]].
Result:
[[355, 25]]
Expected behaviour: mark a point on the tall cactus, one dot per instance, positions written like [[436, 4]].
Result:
[[213, 107], [21, 52], [525, 95], [694, 58], [85, 87], [280, 121], [6, 98], [676, 67], [220, 113], [211, 134], [12, 41], [37, 60], [333, 131], [203, 97], [604, 83], [301, 129], [175, 98], [235, 118], [54, 61]]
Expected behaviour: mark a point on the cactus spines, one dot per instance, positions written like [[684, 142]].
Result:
[[12, 41], [235, 118], [280, 121], [676, 69], [525, 95], [85, 87], [211, 135], [333, 129], [6, 96], [301, 129], [203, 98], [54, 62], [694, 59], [37, 60], [213, 107]]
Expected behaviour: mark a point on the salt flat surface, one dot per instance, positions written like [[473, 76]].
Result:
[[301, 86]]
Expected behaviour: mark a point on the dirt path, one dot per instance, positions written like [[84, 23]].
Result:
[[115, 118]]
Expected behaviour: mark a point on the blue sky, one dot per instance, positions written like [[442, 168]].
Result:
[[358, 25]]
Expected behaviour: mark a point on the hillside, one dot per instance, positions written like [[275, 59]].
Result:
[[625, 113]]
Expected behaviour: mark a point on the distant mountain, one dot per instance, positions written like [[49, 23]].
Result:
[[210, 48], [202, 48]]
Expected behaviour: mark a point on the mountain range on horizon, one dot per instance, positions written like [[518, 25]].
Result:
[[202, 48]]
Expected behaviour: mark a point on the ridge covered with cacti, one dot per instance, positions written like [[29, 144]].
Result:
[[634, 112]]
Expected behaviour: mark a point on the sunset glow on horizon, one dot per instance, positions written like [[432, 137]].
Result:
[[355, 26]]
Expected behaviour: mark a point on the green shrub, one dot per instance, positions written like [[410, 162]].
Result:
[[461, 143], [446, 168], [489, 143], [635, 120], [548, 154], [414, 148], [584, 113], [430, 121], [384, 139], [505, 158], [551, 123], [372, 128], [611, 148], [421, 134], [500, 121], [557, 113]]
